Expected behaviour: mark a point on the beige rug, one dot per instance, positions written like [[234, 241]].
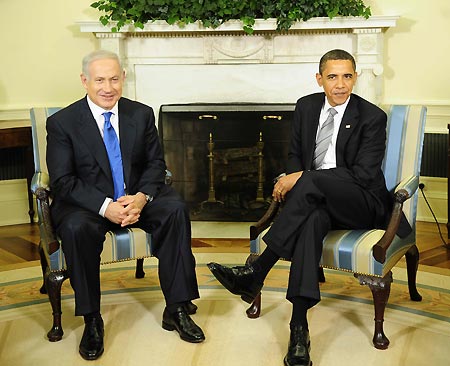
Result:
[[341, 325]]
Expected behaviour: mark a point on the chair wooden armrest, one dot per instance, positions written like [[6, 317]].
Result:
[[380, 248], [49, 242], [265, 221]]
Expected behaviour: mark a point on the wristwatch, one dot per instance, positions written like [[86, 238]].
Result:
[[148, 198]]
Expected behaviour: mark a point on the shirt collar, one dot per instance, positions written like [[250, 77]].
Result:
[[340, 109], [98, 111]]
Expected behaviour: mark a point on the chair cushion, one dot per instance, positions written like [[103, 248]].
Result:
[[120, 245], [351, 251]]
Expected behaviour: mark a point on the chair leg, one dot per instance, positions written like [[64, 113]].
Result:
[[412, 263], [254, 311], [381, 288], [140, 268], [44, 267], [321, 275], [54, 281]]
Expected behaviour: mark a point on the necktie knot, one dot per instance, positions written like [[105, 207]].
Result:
[[332, 111], [107, 116]]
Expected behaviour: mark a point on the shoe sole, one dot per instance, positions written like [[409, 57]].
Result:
[[170, 327], [287, 363], [248, 298], [92, 358]]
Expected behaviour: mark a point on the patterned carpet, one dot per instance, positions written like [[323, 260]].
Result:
[[341, 325]]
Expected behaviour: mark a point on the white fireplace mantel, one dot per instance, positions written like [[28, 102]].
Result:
[[167, 64]]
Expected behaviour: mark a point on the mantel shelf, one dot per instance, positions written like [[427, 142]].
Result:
[[322, 23]]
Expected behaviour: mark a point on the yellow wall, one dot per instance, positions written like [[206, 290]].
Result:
[[42, 47], [418, 51], [41, 51]]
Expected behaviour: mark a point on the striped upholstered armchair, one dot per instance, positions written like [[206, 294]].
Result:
[[120, 245], [371, 254]]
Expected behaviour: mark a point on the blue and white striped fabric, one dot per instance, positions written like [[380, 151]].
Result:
[[120, 245], [351, 250]]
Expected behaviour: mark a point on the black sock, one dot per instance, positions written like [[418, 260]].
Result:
[[90, 316], [264, 264], [300, 306], [172, 308]]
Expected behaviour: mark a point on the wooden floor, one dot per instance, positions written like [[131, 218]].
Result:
[[19, 245]]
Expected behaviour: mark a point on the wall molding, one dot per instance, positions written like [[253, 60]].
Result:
[[10, 118]]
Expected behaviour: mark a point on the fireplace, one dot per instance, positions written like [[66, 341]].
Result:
[[203, 71], [224, 157]]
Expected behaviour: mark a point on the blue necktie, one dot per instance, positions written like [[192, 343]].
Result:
[[114, 155]]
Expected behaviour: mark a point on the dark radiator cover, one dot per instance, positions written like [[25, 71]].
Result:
[[13, 163], [435, 151]]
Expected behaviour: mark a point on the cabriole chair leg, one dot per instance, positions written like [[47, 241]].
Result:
[[254, 310], [412, 263], [54, 281], [140, 268], [381, 288]]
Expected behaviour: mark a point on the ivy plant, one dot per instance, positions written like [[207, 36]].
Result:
[[212, 13]]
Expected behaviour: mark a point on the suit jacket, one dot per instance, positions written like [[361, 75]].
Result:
[[360, 146], [77, 161]]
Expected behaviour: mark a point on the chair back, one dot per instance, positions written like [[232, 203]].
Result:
[[404, 146], [39, 134]]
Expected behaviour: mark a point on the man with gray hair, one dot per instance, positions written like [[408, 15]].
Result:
[[107, 171]]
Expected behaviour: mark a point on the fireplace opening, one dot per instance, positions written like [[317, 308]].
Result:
[[224, 157]]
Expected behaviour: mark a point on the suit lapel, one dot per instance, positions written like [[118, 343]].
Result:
[[310, 132], [348, 124], [89, 133], [127, 128]]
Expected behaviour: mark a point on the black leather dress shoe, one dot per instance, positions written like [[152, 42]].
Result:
[[299, 348], [91, 345], [183, 324], [238, 280]]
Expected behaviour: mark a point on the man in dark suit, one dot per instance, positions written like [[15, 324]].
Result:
[[334, 181], [95, 192]]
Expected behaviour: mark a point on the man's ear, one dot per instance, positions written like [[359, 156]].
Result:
[[319, 79], [83, 80]]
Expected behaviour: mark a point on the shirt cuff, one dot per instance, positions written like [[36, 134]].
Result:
[[104, 206]]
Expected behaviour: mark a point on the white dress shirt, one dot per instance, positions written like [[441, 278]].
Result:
[[329, 161]]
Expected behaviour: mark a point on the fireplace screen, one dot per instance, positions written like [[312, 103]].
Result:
[[224, 157]]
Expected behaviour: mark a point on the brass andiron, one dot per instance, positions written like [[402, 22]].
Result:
[[260, 188], [211, 190]]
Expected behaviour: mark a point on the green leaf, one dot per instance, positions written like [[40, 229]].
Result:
[[212, 13]]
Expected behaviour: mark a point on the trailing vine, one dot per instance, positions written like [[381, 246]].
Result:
[[213, 13]]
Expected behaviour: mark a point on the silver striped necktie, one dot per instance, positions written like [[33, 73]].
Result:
[[324, 139]]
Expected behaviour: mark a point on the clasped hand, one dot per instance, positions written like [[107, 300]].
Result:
[[126, 210]]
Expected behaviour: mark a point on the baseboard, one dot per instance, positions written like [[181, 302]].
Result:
[[436, 194], [14, 202]]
